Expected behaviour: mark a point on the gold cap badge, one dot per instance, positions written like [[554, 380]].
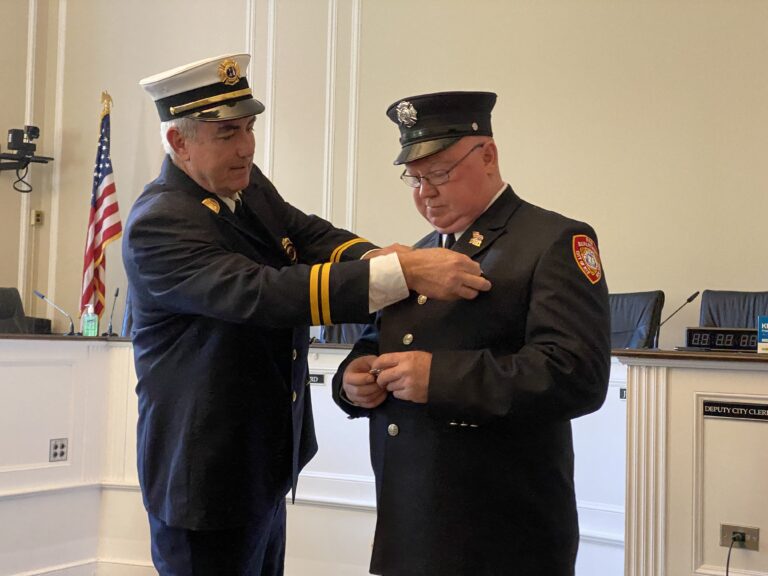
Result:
[[212, 205], [229, 71]]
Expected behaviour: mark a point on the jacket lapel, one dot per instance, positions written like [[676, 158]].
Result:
[[489, 226], [261, 237]]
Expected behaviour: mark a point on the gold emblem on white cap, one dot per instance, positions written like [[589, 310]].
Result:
[[229, 71], [406, 113]]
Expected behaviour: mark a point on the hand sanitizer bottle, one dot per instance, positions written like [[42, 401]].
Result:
[[90, 322]]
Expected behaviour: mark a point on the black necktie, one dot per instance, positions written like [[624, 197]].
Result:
[[273, 254], [448, 241]]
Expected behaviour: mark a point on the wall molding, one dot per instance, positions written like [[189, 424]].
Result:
[[49, 490], [58, 148], [646, 471], [709, 570], [329, 126], [79, 568], [353, 120], [601, 523], [26, 203]]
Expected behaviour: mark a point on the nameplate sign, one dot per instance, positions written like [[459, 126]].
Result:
[[737, 410], [317, 379], [762, 334]]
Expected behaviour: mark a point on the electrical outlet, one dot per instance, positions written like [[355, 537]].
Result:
[[751, 536], [36, 218], [58, 450]]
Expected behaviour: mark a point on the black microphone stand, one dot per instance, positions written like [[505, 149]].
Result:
[[71, 322], [109, 332], [690, 299]]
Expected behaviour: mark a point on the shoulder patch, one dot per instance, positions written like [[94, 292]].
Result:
[[587, 257], [212, 205]]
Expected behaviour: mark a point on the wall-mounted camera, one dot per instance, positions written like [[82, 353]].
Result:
[[20, 141]]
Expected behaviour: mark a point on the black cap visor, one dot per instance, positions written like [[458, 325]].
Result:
[[419, 150], [230, 111]]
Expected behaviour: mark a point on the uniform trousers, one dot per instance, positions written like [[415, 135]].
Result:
[[257, 549]]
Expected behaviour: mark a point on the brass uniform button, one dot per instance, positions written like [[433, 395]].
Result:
[[295, 354], [421, 299], [294, 396], [407, 339], [393, 430]]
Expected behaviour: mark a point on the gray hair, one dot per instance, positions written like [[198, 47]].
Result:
[[186, 126]]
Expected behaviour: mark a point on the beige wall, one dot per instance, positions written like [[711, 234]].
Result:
[[13, 68], [647, 119]]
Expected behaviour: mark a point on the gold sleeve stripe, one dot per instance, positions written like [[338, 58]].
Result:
[[336, 254], [325, 293], [314, 309]]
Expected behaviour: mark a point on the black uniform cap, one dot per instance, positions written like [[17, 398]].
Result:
[[430, 123]]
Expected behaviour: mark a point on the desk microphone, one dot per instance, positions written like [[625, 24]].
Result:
[[71, 323], [691, 298], [109, 327]]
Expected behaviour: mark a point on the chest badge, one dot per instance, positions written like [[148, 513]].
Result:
[[477, 239], [290, 250], [212, 205], [587, 257]]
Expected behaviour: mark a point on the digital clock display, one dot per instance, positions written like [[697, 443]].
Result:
[[742, 339]]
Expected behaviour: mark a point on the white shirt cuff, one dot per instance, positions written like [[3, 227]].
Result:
[[386, 282]]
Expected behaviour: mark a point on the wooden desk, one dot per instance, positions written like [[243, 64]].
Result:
[[687, 474]]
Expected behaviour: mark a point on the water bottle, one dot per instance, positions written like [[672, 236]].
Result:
[[90, 322]]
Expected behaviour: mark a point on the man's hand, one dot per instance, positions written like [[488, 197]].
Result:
[[360, 385], [399, 248], [405, 374], [442, 274]]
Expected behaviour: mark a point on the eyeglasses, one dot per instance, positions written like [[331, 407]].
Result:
[[436, 177]]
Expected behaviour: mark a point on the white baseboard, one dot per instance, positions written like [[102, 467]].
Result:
[[81, 568], [93, 567]]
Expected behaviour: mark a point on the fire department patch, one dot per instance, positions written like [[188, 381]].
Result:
[[587, 257]]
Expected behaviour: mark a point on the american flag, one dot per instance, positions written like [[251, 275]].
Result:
[[104, 221]]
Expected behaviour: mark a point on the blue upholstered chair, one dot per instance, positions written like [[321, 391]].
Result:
[[635, 318], [12, 317], [732, 309]]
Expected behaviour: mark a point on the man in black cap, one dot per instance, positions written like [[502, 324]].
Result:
[[225, 278], [470, 402]]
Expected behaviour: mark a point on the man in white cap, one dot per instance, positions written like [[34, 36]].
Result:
[[225, 278]]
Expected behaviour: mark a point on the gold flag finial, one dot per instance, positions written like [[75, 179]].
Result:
[[106, 102]]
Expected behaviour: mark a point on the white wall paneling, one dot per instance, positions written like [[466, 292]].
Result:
[[91, 505], [689, 474]]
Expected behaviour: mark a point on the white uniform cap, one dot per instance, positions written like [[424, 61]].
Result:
[[212, 89]]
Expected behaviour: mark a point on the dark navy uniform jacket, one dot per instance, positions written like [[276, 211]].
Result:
[[479, 480], [221, 308]]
